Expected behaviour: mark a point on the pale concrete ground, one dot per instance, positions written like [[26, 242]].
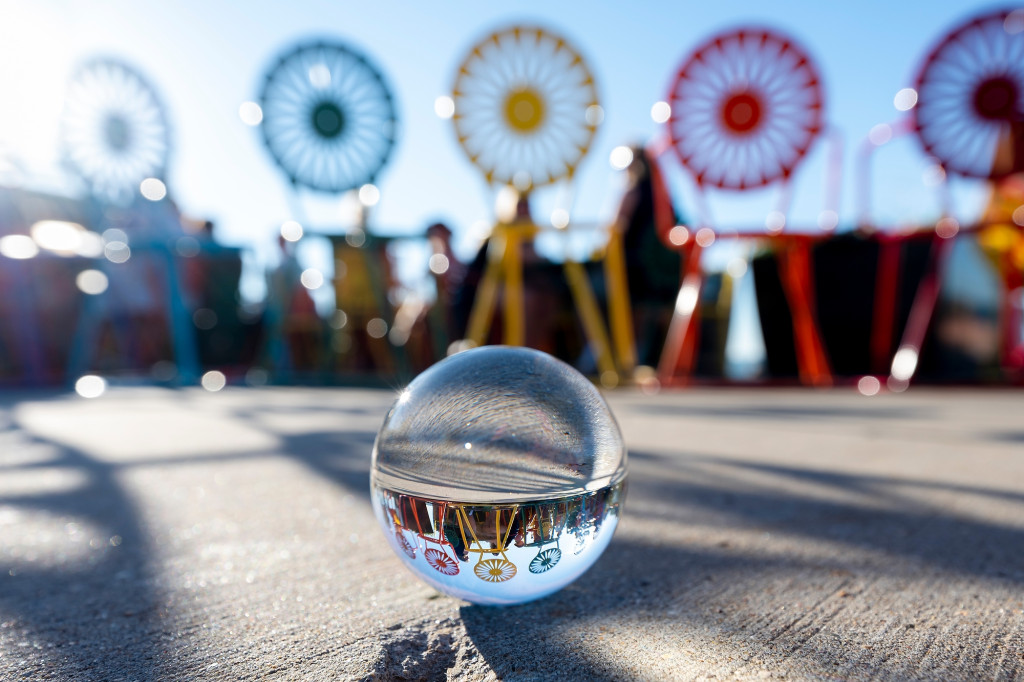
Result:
[[157, 534]]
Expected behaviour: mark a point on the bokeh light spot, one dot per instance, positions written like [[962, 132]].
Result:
[[678, 235], [904, 363], [705, 237], [621, 157], [438, 264], [214, 381], [897, 385], [869, 386], [338, 319], [737, 267], [444, 106], [1018, 215], [90, 386], [775, 221], [947, 228], [58, 236], [91, 282], [905, 99], [880, 134], [117, 252], [369, 195], [114, 234], [377, 328], [320, 76], [1014, 22], [291, 230], [661, 112], [828, 220], [153, 189], [686, 301], [250, 113], [312, 278], [187, 246], [560, 218]]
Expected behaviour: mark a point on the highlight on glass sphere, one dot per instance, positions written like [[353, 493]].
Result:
[[498, 475]]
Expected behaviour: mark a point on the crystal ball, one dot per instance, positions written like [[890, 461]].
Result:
[[498, 475]]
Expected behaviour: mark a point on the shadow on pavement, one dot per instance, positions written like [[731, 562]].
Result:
[[889, 515], [673, 588], [89, 606], [1008, 437], [341, 456], [761, 411]]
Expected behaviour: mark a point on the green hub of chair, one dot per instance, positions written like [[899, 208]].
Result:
[[328, 120]]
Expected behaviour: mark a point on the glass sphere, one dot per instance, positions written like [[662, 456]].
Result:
[[498, 475]]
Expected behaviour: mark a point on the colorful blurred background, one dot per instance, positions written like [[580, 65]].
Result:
[[176, 208]]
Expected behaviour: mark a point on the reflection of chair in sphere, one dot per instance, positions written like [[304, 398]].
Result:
[[746, 106], [546, 559], [582, 521], [406, 546], [495, 569], [441, 562], [526, 112], [393, 508], [437, 557], [329, 123]]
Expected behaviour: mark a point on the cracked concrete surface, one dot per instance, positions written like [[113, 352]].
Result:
[[159, 534]]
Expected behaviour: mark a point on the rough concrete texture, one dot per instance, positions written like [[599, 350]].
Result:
[[179, 535]]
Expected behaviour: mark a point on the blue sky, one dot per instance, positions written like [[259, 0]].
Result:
[[206, 57]]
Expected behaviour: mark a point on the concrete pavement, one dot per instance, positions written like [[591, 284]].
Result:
[[780, 533]]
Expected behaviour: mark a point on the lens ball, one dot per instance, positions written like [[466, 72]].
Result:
[[498, 475]]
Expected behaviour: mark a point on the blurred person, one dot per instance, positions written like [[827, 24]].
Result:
[[142, 292], [292, 325], [213, 272], [643, 219], [449, 315]]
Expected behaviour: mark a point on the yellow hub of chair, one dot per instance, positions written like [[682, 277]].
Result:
[[524, 110]]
